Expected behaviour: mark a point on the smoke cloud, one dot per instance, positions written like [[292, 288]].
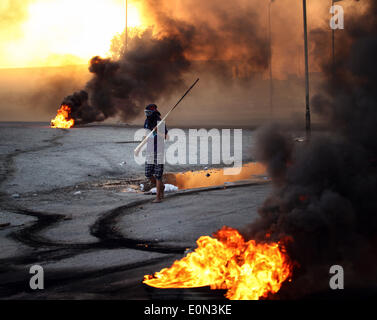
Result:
[[324, 200], [227, 39]]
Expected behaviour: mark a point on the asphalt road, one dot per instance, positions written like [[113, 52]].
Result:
[[92, 238]]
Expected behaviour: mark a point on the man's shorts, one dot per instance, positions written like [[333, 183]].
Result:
[[156, 170]]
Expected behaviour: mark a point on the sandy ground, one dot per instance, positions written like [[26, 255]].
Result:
[[65, 207]]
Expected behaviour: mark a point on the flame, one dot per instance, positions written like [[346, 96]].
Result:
[[63, 119], [248, 270]]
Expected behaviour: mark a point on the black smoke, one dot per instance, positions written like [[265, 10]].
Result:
[[149, 69], [155, 62], [81, 111], [324, 202]]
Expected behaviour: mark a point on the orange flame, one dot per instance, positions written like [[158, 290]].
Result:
[[247, 270], [63, 119]]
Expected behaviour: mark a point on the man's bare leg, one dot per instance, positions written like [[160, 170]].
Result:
[[162, 194], [158, 191]]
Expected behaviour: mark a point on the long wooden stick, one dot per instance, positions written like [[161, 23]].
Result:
[[142, 143]]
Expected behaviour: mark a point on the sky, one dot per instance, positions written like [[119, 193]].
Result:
[[36, 33], [68, 33]]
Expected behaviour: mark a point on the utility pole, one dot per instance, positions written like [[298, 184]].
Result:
[[270, 53], [307, 115], [333, 45], [126, 33]]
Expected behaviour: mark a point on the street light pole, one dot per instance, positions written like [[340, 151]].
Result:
[[270, 54], [307, 116], [333, 45], [126, 35]]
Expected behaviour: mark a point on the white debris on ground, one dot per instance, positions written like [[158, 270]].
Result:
[[299, 139], [77, 193], [168, 188]]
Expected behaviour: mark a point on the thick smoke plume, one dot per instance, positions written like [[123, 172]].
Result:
[[156, 60], [324, 200]]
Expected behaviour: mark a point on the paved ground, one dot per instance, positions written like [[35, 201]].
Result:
[[64, 207]]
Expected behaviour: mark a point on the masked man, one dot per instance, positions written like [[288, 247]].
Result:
[[155, 155]]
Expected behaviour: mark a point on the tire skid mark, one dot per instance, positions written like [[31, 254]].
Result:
[[105, 230], [65, 277]]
